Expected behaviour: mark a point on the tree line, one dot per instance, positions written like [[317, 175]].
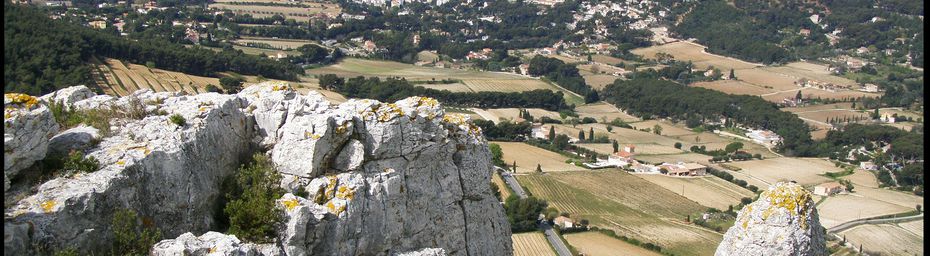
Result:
[[393, 89], [565, 75], [42, 55]]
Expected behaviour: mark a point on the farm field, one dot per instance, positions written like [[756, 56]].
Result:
[[732, 87], [627, 204], [667, 128], [496, 179], [454, 87], [709, 190], [622, 135], [598, 81], [427, 56], [606, 59], [890, 239], [684, 51], [277, 43], [811, 72], [814, 93], [118, 79], [603, 111], [514, 113], [761, 78], [289, 12], [475, 80], [531, 244], [839, 209], [641, 149], [802, 170], [596, 244], [528, 156]]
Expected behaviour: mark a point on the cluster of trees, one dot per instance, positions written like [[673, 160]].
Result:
[[677, 71], [728, 30], [907, 150], [650, 98], [730, 152], [564, 75], [729, 177], [523, 213], [42, 55], [505, 130], [393, 89]]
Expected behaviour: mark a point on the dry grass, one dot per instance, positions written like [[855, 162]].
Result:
[[510, 85], [597, 244], [890, 239], [802, 170], [685, 51], [641, 149], [761, 77], [598, 81], [733, 87], [839, 209], [605, 59], [668, 129], [528, 156], [796, 72], [277, 43], [604, 111], [531, 244], [514, 113], [708, 191], [289, 12]]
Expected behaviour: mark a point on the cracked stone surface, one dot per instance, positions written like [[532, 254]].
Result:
[[27, 127], [399, 178], [783, 221]]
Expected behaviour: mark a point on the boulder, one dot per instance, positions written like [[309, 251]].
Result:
[[783, 221], [68, 96], [28, 126], [211, 243], [78, 138]]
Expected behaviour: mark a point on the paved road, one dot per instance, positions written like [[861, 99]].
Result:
[[851, 224], [553, 238], [512, 182]]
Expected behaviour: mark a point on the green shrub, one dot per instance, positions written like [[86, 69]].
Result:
[[77, 162], [130, 235], [251, 201], [66, 252], [178, 120]]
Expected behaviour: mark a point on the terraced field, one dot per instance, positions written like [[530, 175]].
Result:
[[627, 204], [116, 78], [597, 244]]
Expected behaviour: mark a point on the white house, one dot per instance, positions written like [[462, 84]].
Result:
[[888, 118], [870, 166], [539, 132], [764, 137]]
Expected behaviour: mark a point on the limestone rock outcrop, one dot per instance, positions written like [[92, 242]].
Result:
[[783, 221], [28, 125], [68, 96], [381, 178], [78, 138]]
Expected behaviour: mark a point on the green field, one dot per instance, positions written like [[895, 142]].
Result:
[[627, 204]]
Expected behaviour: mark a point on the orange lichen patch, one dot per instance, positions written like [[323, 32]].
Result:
[[426, 101], [48, 206], [19, 98], [331, 206], [202, 109], [280, 86], [121, 162], [345, 193], [212, 249], [343, 128], [290, 204]]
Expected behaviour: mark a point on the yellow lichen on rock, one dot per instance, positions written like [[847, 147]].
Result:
[[48, 206], [290, 204], [19, 98]]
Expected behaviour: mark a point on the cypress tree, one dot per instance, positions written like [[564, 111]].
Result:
[[581, 135], [551, 133], [591, 134], [538, 168]]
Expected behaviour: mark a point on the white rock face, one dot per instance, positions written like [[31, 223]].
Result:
[[783, 221], [168, 174], [28, 125], [68, 96], [211, 243], [382, 178], [426, 252]]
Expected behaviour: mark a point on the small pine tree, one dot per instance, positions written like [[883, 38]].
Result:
[[551, 133]]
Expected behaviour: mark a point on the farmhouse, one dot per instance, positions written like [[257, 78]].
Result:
[[888, 118], [98, 24], [525, 69], [869, 88], [370, 46], [563, 222], [869, 166], [683, 169], [764, 137], [644, 168], [828, 189], [546, 51], [476, 55], [539, 132]]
